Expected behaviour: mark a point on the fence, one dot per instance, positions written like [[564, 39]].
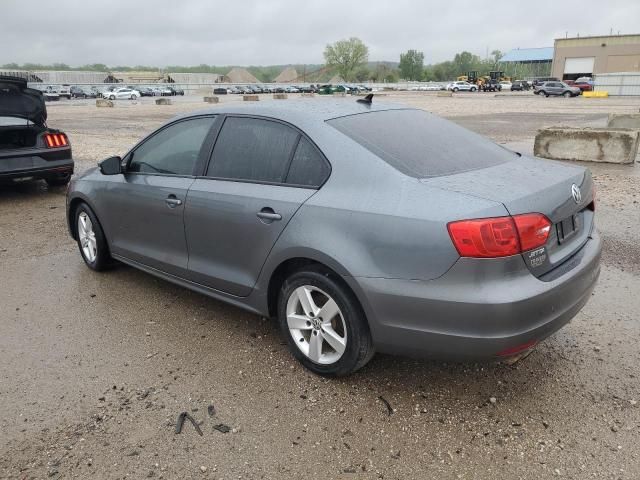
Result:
[[618, 84]]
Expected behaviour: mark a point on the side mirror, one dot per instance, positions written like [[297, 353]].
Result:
[[111, 166]]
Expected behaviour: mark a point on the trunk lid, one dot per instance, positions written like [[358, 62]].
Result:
[[17, 100], [564, 193]]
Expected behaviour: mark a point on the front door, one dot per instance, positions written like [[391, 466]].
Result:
[[259, 176], [147, 203]]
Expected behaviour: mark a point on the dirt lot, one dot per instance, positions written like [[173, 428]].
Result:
[[95, 368]]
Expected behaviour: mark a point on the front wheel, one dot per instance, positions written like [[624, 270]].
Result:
[[133, 97], [323, 322], [112, 97], [473, 89], [455, 89], [91, 240], [566, 94]]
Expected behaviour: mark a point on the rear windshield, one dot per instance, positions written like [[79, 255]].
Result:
[[420, 144]]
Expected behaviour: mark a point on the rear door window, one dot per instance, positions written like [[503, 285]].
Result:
[[253, 149], [420, 144]]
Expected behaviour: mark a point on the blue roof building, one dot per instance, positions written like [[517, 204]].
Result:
[[529, 55], [528, 63]]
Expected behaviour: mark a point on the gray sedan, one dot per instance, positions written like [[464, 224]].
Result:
[[361, 227]]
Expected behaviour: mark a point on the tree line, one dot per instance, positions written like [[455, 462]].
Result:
[[348, 58]]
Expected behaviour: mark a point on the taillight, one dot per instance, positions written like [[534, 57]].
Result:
[[499, 237], [533, 230], [54, 140], [485, 237]]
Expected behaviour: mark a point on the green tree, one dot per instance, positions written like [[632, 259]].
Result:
[[345, 56], [464, 62], [497, 55], [411, 65]]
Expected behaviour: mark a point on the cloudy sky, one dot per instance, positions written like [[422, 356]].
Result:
[[264, 32]]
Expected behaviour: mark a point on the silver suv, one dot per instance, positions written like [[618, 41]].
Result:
[[556, 88]]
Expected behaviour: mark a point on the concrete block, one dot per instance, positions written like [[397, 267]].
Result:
[[308, 94], [624, 120], [163, 101], [102, 102], [444, 94], [213, 99], [250, 98], [587, 144], [280, 96]]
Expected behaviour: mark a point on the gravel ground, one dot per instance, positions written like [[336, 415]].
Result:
[[95, 368]]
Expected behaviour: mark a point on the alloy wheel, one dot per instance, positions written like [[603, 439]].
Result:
[[316, 325], [87, 237]]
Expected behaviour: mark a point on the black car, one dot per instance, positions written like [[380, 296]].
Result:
[[146, 91], [82, 92], [220, 91], [519, 86], [28, 148], [175, 91]]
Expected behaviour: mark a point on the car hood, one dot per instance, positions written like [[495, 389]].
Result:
[[17, 100]]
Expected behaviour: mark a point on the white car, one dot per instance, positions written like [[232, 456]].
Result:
[[506, 86], [120, 93], [461, 87], [60, 90], [432, 87]]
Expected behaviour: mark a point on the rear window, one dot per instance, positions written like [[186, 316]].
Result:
[[420, 144]]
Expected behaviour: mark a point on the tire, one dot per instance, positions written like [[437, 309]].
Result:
[[59, 181], [567, 95], [112, 97], [455, 89], [96, 251], [133, 97], [473, 89], [347, 328]]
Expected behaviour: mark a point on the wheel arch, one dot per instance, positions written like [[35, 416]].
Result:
[[74, 203], [289, 266]]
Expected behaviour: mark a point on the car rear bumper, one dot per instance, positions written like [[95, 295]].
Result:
[[26, 165], [474, 311]]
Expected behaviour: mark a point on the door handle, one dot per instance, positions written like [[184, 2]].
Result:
[[172, 201], [268, 214]]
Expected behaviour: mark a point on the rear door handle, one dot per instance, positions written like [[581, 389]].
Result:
[[172, 201], [268, 214]]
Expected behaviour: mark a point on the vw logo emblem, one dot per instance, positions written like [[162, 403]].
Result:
[[576, 193]]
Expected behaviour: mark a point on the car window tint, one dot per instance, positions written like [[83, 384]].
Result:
[[252, 149], [307, 167], [174, 150], [420, 144]]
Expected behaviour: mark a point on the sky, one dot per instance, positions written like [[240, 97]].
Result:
[[277, 32]]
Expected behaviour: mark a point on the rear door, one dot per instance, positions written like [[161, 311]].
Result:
[[260, 173], [145, 205]]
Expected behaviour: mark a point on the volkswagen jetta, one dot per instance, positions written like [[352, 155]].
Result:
[[361, 227]]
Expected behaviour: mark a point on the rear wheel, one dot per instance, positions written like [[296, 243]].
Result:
[[112, 97], [91, 240], [323, 322]]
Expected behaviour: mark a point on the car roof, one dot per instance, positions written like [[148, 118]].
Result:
[[301, 111]]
